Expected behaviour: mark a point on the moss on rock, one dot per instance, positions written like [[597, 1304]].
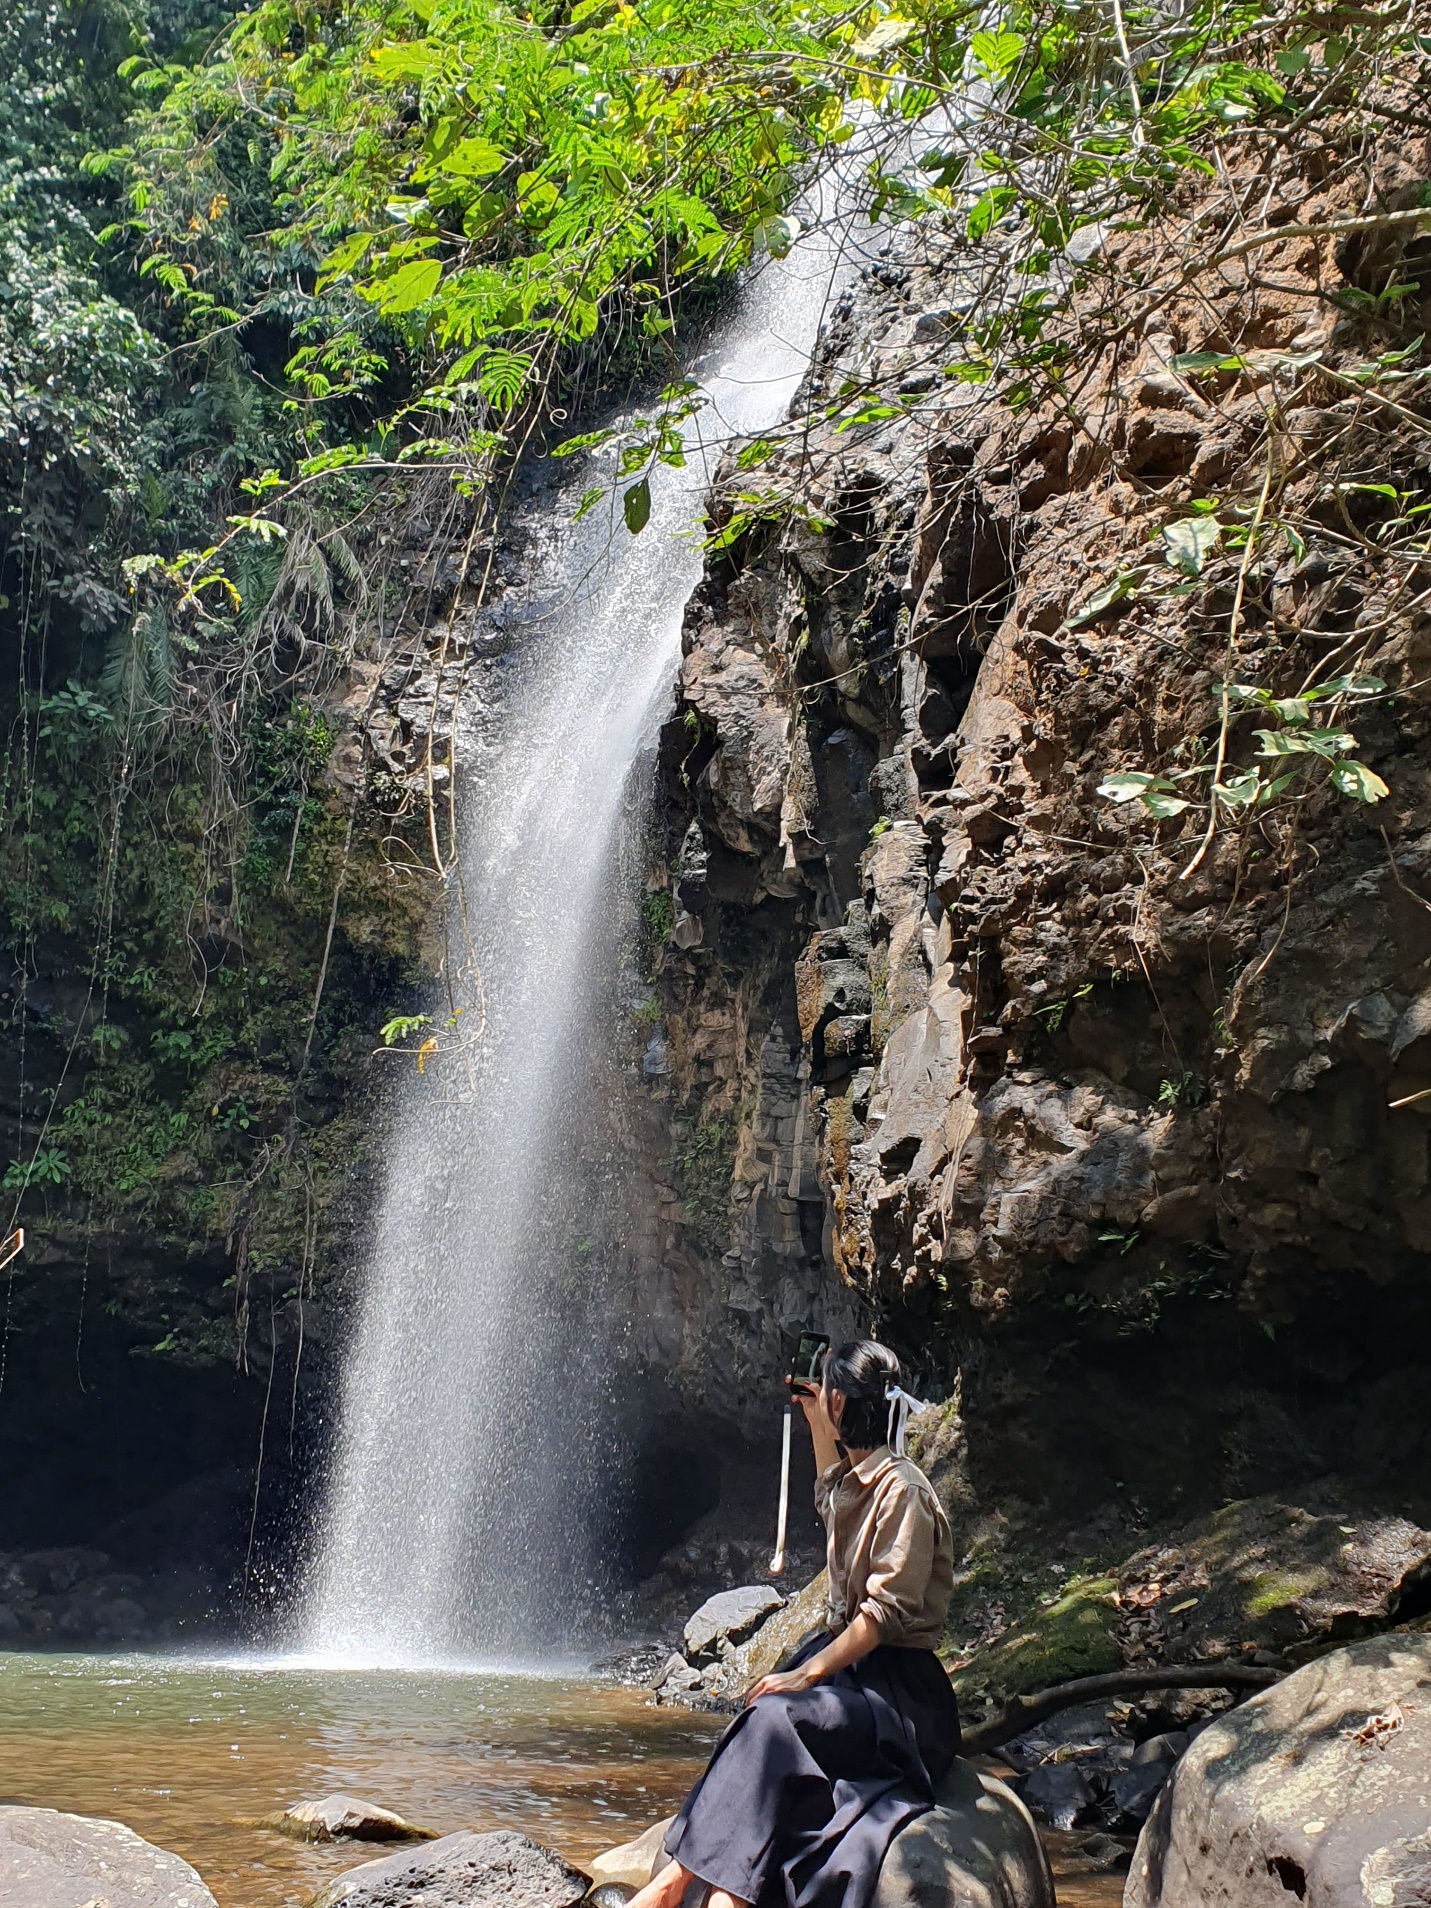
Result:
[[1075, 1635]]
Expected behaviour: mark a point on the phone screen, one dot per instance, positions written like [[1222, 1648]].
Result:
[[805, 1366]]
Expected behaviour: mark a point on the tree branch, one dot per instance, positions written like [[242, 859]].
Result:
[[1022, 1712]]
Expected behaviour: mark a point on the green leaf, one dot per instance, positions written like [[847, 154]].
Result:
[[776, 235], [989, 209], [344, 257], [1156, 793], [1345, 686], [1243, 692], [473, 159], [404, 62], [1325, 742], [410, 286], [401, 1025], [502, 377], [636, 506], [1239, 791], [589, 440], [1359, 782], [1189, 541], [998, 53], [1128, 786], [1191, 362], [889, 33], [1112, 594]]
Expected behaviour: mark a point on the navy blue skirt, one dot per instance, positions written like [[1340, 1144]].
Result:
[[804, 1794]]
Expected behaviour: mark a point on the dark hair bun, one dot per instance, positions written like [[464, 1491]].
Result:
[[863, 1371]]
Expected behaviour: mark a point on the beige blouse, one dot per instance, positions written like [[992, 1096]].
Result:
[[890, 1553]]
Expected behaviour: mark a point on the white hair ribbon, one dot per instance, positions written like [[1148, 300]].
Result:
[[900, 1406]]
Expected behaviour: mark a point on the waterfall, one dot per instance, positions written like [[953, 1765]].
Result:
[[464, 1498]]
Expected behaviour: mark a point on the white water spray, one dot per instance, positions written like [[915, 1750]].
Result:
[[459, 1511]]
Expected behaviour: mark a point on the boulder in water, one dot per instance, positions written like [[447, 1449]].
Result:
[[500, 1870], [52, 1860], [1318, 1791], [978, 1849], [730, 1617], [339, 1818]]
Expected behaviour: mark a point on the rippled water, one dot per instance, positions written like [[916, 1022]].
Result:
[[188, 1751], [184, 1750]]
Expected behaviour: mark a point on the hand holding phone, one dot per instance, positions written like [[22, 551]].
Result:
[[807, 1366]]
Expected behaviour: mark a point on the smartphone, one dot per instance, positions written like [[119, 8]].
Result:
[[805, 1366]]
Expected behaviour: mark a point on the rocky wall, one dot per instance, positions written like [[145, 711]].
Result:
[[1104, 1136]]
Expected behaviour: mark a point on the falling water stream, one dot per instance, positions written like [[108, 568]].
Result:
[[466, 1498]]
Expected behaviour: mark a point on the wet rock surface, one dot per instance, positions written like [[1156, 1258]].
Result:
[[1315, 1791], [338, 1818], [52, 1860], [500, 1870]]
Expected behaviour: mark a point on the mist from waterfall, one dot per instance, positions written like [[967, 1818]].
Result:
[[468, 1483]]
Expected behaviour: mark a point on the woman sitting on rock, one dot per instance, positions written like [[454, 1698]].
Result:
[[833, 1756]]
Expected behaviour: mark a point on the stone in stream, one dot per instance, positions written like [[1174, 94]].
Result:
[[1059, 1791], [52, 1860], [1318, 1790], [730, 1617], [339, 1818], [500, 1870], [632, 1864]]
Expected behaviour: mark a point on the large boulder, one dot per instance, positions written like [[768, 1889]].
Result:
[[500, 1870], [51, 1860], [1266, 1575], [729, 1617], [1318, 1791], [978, 1849], [802, 1616]]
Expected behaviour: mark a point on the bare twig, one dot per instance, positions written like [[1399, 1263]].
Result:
[[1022, 1712]]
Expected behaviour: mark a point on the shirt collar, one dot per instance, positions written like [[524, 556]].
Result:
[[869, 1468]]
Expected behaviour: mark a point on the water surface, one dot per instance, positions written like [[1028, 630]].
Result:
[[183, 1750]]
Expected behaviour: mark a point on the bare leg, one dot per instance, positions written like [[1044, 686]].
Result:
[[718, 1898], [664, 1890]]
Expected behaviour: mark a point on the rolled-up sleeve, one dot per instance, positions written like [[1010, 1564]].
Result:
[[901, 1559]]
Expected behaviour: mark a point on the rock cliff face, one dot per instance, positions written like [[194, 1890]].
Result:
[[1098, 1123], [926, 1034]]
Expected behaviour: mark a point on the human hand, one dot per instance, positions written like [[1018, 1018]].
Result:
[[782, 1683]]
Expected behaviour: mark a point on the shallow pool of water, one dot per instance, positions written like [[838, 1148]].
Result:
[[183, 1750]]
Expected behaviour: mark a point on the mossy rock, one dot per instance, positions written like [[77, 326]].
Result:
[[1073, 1636], [1265, 1575]]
